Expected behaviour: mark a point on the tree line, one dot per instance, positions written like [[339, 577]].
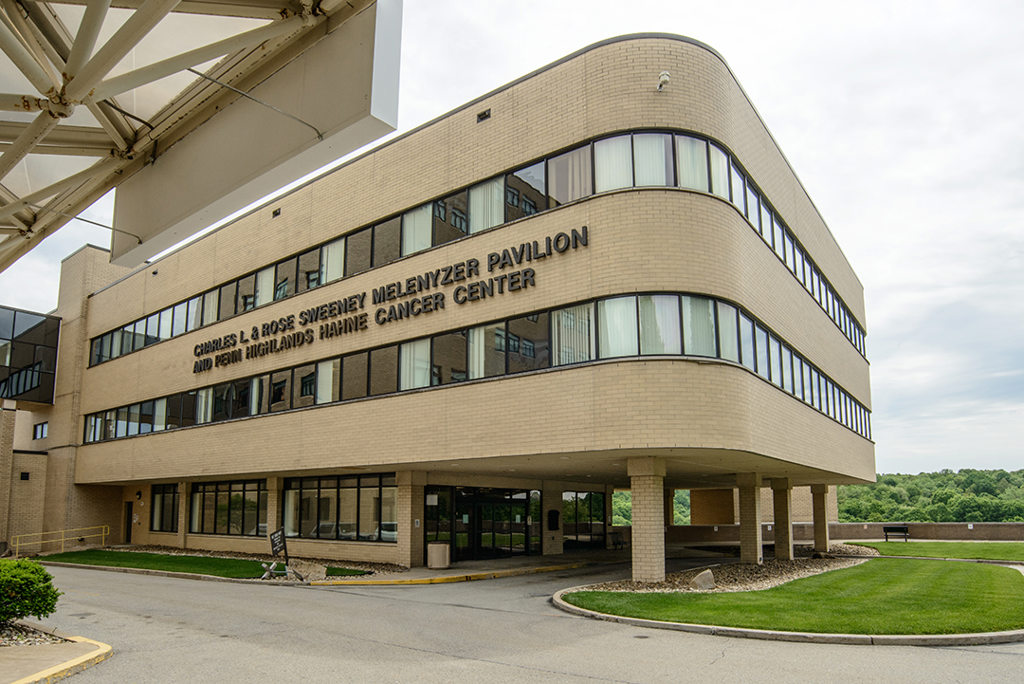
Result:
[[945, 496]]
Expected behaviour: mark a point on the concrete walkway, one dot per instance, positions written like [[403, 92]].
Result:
[[50, 662]]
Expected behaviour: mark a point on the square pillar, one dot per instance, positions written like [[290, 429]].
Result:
[[7, 416], [782, 506], [410, 516], [750, 518], [819, 500], [647, 483], [183, 507], [609, 492], [550, 500]]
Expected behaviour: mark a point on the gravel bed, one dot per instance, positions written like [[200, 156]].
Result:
[[733, 577], [14, 634]]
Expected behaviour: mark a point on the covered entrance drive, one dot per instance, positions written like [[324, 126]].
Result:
[[483, 522]]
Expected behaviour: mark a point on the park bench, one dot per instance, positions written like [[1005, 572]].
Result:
[[896, 531]]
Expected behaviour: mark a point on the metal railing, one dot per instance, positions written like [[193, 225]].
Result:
[[78, 534]]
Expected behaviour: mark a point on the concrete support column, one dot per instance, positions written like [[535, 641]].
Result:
[[782, 500], [183, 507], [670, 506], [275, 504], [647, 483], [551, 500], [750, 518], [410, 516], [819, 503], [7, 414], [609, 491]]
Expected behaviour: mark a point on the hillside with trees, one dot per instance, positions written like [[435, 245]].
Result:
[[945, 496]]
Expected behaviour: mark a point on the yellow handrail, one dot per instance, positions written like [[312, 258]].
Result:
[[60, 536]]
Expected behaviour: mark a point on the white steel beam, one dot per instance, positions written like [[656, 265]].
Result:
[[11, 44], [85, 40], [120, 44], [172, 65], [19, 149]]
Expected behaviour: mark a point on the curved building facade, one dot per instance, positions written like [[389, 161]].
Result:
[[473, 334]]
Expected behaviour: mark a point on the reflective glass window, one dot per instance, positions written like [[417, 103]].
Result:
[[308, 270], [387, 241], [451, 217], [449, 358], [652, 159], [486, 205], [728, 333], [617, 327], [179, 319], [761, 344], [739, 190], [416, 228], [246, 294], [534, 343], [719, 171], [164, 328], [280, 390], [358, 251], [524, 192], [332, 263], [414, 364], [572, 334], [384, 370], [692, 163], [284, 280], [487, 351], [354, 375], [698, 326], [227, 301], [613, 163], [328, 381], [211, 307], [264, 286], [304, 386], [568, 176]]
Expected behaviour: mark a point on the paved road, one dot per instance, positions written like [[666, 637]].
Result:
[[172, 630]]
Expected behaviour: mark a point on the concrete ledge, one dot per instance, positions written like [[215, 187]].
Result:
[[98, 654], [980, 639]]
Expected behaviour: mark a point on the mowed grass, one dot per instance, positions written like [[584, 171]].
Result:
[[199, 565], [881, 596], [1011, 551], [343, 572]]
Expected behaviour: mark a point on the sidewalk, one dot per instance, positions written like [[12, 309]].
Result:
[[50, 662]]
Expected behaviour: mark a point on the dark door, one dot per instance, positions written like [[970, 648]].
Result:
[[128, 519]]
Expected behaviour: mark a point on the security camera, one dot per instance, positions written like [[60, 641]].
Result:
[[663, 79]]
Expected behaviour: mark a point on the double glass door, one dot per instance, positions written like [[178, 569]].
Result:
[[483, 522]]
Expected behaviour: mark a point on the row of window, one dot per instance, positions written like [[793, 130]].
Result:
[[237, 508], [363, 508], [28, 355], [643, 159], [633, 325]]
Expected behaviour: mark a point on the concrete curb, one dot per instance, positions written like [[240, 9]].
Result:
[[166, 573], [66, 669], [447, 579], [443, 579], [980, 639]]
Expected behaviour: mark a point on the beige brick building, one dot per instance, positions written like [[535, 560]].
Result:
[[592, 278]]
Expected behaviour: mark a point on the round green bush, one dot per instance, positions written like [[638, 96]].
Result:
[[25, 589]]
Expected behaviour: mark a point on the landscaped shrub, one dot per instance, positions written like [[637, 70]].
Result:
[[25, 589]]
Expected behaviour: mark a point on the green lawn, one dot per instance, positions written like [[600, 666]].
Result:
[[882, 596], [344, 572], [974, 550], [200, 565]]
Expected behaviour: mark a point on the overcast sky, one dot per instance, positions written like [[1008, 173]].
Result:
[[901, 119]]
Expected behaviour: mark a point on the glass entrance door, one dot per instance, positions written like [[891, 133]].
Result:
[[482, 522]]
